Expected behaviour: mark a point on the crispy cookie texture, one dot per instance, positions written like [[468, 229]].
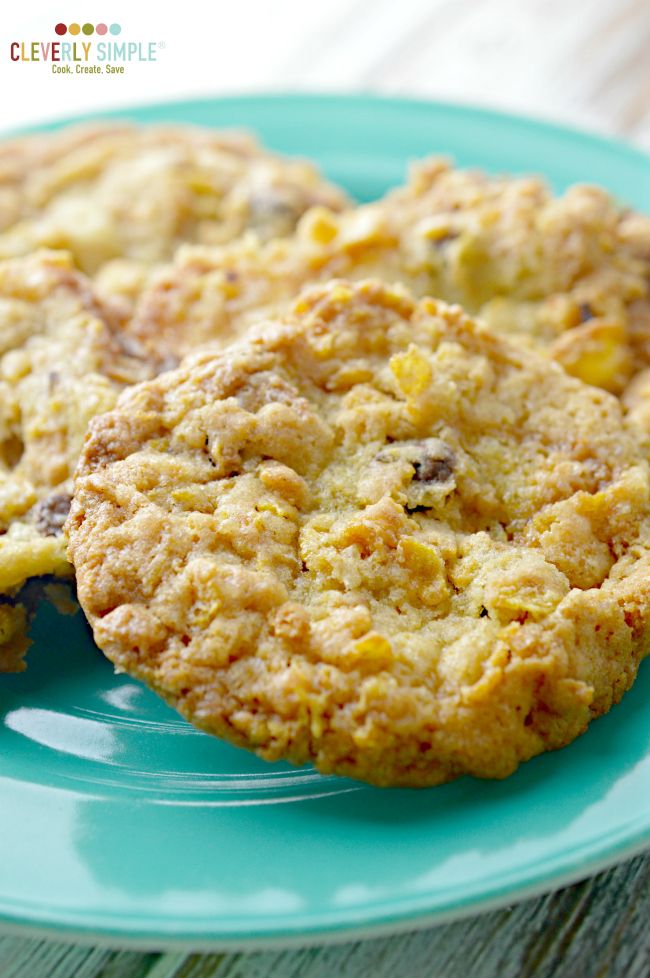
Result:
[[373, 536], [62, 360], [568, 276], [130, 195]]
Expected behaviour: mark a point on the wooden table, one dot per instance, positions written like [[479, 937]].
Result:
[[583, 62]]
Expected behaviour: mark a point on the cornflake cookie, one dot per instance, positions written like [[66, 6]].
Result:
[[61, 362], [373, 536], [569, 276], [132, 194], [636, 400]]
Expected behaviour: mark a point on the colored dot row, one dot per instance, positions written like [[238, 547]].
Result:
[[87, 29]]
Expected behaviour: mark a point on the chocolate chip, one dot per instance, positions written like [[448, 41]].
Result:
[[432, 459], [444, 239], [432, 465], [430, 469], [30, 596], [433, 474], [51, 513], [271, 214]]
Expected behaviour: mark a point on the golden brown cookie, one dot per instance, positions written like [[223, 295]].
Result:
[[372, 535], [569, 276], [132, 194], [62, 360]]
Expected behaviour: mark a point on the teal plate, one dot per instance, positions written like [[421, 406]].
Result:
[[119, 823]]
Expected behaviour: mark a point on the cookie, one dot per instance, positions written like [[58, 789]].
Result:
[[62, 360], [132, 194], [372, 535], [636, 400], [568, 276]]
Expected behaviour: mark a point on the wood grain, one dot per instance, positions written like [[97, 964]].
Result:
[[584, 62]]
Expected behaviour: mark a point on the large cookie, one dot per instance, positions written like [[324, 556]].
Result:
[[126, 192], [569, 276], [62, 360], [373, 536]]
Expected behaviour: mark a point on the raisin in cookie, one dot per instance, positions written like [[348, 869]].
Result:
[[373, 536], [61, 362], [121, 197], [569, 276]]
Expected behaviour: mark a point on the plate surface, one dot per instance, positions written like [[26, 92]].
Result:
[[121, 823]]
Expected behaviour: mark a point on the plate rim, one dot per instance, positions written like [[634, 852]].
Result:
[[612, 143], [120, 935]]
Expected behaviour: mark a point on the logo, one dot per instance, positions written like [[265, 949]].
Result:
[[86, 49]]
